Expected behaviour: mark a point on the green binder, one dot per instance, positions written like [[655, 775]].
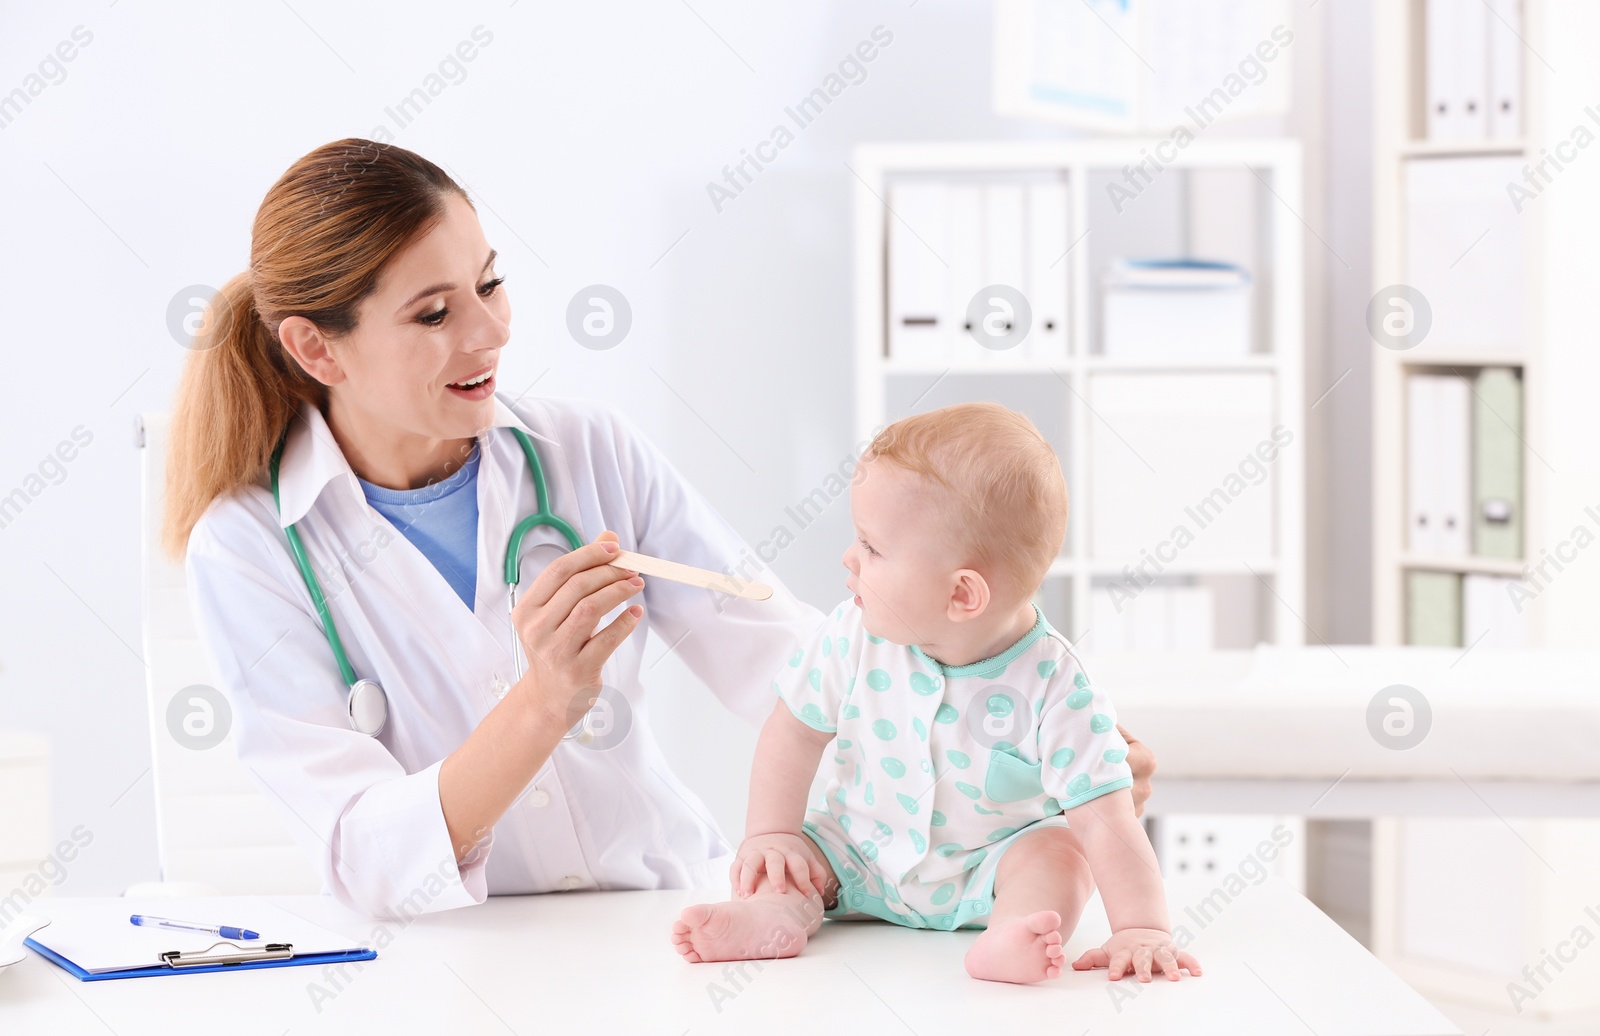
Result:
[[1433, 609], [1497, 464]]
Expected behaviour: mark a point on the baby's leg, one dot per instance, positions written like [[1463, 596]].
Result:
[[763, 926], [1040, 889]]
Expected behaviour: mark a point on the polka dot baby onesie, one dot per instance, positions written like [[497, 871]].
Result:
[[935, 770]]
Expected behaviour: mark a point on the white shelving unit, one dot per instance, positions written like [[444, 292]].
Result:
[[1399, 123], [1505, 900], [1270, 171]]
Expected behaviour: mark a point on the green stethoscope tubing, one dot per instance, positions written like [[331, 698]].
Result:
[[543, 516]]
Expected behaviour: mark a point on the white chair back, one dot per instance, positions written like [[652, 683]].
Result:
[[213, 824]]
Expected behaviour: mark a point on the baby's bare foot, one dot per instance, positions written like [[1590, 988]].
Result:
[[1024, 949], [762, 927]]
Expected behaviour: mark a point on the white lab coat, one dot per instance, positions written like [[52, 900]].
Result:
[[367, 810]]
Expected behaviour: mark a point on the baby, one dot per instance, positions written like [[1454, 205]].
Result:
[[977, 778]]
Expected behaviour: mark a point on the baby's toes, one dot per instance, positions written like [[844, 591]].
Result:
[[692, 917], [1044, 922]]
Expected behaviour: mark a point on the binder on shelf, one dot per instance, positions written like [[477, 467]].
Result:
[[1004, 252], [1457, 72], [1497, 464], [1433, 609], [1004, 216], [918, 243], [1489, 617], [1505, 69], [92, 939], [1176, 309], [1439, 68], [1049, 270], [1463, 251], [1453, 483], [1420, 497], [965, 223], [1438, 446], [947, 239], [1160, 618]]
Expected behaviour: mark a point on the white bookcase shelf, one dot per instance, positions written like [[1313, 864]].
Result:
[[1399, 46], [1266, 174], [1518, 903], [1437, 148]]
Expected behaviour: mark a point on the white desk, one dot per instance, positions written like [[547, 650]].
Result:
[[602, 963]]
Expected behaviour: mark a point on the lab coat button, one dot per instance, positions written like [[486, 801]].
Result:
[[499, 687], [538, 797], [570, 882]]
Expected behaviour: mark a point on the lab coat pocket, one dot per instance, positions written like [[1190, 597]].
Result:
[[1011, 779]]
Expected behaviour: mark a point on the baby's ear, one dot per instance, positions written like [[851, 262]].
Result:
[[969, 595]]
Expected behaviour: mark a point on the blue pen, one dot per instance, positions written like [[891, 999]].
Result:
[[220, 930]]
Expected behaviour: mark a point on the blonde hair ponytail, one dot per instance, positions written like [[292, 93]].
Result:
[[321, 238], [238, 393]]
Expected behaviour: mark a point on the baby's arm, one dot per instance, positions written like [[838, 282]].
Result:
[[1122, 861], [787, 753], [1125, 869]]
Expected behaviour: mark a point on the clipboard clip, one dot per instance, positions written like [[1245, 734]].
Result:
[[238, 955]]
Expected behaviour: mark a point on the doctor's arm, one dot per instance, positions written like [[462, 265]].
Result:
[[379, 837], [555, 621], [1142, 762]]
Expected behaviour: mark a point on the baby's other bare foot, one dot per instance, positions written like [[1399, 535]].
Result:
[[762, 927], [1024, 949]]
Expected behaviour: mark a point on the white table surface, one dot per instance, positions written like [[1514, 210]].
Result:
[[602, 963]]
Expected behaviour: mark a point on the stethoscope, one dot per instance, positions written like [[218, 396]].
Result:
[[366, 702]]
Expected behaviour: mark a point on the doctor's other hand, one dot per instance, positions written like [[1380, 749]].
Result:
[[556, 622], [1142, 762]]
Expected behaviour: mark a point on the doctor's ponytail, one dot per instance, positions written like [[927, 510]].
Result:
[[322, 236], [238, 392]]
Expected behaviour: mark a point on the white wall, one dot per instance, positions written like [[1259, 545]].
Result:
[[588, 134]]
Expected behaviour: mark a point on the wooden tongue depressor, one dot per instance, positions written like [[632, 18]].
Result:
[[705, 578]]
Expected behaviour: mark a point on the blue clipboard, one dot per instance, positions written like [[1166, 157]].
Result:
[[269, 956]]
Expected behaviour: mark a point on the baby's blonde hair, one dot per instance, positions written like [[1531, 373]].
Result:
[[1003, 483]]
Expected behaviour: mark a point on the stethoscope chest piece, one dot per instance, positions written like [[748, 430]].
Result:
[[369, 707], [367, 703]]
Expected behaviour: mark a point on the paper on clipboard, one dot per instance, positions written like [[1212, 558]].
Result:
[[96, 936]]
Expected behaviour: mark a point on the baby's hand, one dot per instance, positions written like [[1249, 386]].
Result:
[[1138, 950], [775, 853]]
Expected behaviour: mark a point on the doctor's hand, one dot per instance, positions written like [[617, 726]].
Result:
[[556, 622], [1142, 762]]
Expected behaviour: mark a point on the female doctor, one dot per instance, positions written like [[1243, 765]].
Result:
[[341, 404]]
